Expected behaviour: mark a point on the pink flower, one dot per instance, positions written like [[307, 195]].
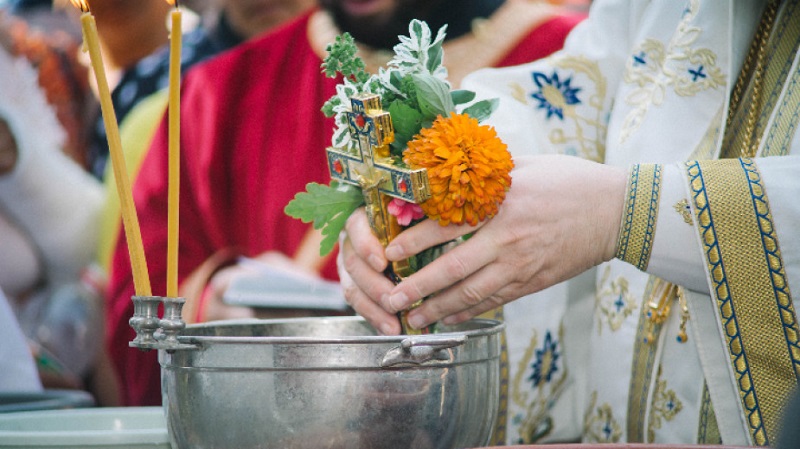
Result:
[[404, 211]]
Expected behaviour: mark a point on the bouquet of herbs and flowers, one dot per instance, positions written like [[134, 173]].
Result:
[[429, 135]]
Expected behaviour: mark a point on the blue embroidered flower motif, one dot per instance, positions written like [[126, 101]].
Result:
[[554, 95], [545, 364]]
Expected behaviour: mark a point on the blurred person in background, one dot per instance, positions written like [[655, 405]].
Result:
[[141, 96], [142, 66], [128, 33], [46, 199], [49, 208], [49, 38]]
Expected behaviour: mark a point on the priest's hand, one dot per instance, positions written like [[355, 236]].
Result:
[[560, 218], [361, 262]]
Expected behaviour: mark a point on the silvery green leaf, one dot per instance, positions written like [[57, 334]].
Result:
[[482, 109], [416, 53], [462, 96], [433, 95], [420, 32], [434, 56], [341, 106]]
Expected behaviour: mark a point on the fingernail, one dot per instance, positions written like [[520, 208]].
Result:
[[394, 252], [376, 262], [398, 301], [416, 321]]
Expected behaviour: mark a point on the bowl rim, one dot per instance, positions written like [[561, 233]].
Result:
[[491, 327]]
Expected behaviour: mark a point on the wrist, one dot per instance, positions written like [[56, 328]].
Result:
[[196, 287]]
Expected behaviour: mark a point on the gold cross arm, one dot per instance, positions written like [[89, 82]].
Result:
[[367, 163]]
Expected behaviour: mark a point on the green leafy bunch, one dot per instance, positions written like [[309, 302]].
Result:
[[413, 89]]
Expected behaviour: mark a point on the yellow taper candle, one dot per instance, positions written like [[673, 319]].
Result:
[[174, 152], [130, 222]]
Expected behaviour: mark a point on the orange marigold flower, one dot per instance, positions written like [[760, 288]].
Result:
[[468, 168]]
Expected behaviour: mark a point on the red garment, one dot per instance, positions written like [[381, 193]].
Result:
[[252, 136]]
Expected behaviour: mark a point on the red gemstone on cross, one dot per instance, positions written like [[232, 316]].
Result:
[[402, 185], [337, 166], [360, 120]]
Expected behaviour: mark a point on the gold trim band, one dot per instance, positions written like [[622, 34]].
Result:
[[640, 214], [707, 428], [642, 368], [749, 284]]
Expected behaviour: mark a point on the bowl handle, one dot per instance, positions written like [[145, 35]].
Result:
[[421, 349]]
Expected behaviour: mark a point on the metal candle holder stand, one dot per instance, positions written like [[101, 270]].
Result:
[[153, 332]]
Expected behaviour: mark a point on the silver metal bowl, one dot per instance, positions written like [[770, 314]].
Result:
[[331, 383]]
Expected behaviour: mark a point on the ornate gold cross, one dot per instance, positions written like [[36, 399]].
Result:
[[370, 166]]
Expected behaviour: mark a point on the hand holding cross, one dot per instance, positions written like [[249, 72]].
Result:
[[370, 166]]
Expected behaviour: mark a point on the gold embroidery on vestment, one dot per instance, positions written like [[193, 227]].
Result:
[[614, 302], [707, 428], [639, 216], [660, 297], [585, 132], [682, 207], [750, 287], [778, 140], [642, 368], [590, 125], [778, 50], [537, 422], [599, 423], [656, 67], [665, 406]]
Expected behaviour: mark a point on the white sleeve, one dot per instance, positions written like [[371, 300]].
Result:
[[676, 250], [677, 254], [780, 178]]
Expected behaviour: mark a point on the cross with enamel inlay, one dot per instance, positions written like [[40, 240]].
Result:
[[370, 166]]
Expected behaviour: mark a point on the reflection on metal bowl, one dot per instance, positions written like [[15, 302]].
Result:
[[331, 383]]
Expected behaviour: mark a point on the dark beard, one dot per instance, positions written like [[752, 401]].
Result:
[[457, 14]]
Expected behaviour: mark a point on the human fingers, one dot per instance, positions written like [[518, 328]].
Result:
[[470, 297], [363, 240], [503, 296], [424, 235], [364, 287], [384, 322], [447, 270]]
